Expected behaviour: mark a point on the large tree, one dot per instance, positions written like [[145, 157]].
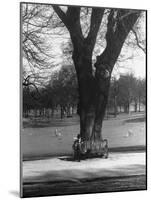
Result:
[[94, 86]]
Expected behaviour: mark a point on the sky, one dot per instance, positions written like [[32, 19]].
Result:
[[137, 66]]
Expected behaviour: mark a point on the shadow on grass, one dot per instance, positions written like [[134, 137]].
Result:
[[69, 158]]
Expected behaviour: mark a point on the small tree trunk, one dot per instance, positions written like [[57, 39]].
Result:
[[72, 110], [52, 112], [115, 106], [125, 108], [107, 110], [139, 103], [35, 112], [61, 112], [120, 109], [129, 109], [135, 106]]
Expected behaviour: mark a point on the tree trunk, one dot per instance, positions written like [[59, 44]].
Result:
[[61, 112], [115, 106], [139, 103], [93, 96], [52, 112], [125, 108], [120, 109], [135, 106], [35, 112]]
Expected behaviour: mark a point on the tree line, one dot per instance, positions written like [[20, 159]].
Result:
[[60, 95]]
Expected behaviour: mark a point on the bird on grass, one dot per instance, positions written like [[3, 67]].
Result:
[[129, 133], [58, 134]]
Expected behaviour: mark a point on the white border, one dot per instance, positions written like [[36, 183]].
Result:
[[9, 98]]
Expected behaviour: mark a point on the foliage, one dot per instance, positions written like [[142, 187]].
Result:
[[60, 91], [128, 89], [64, 86]]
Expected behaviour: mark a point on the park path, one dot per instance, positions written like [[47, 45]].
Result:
[[63, 169]]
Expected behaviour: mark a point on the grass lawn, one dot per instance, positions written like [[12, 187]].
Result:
[[39, 139]]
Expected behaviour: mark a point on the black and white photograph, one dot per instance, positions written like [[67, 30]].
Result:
[[83, 104]]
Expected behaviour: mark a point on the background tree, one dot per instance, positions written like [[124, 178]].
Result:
[[127, 91], [141, 92], [64, 85], [61, 91], [131, 90], [113, 95], [38, 24]]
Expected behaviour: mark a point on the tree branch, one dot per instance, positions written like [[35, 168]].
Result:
[[73, 14], [72, 21], [96, 19], [117, 32], [137, 41], [27, 83], [128, 13], [60, 13]]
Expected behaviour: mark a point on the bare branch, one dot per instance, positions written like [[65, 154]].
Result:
[[27, 83], [127, 14], [60, 13], [137, 41], [117, 32]]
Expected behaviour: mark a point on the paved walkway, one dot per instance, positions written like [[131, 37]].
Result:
[[62, 168]]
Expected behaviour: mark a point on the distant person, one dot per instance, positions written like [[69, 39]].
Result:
[[77, 147]]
